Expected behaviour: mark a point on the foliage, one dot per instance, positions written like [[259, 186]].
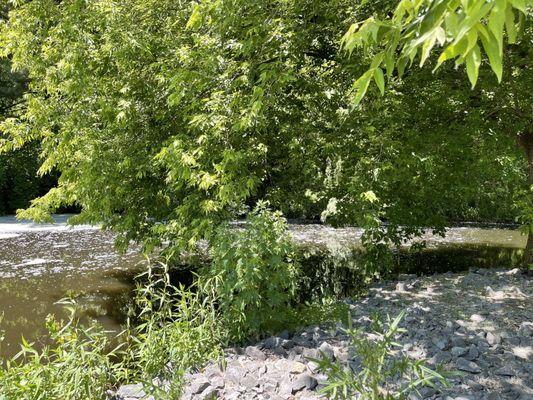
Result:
[[165, 120], [378, 367], [78, 365], [253, 275], [417, 26], [171, 329]]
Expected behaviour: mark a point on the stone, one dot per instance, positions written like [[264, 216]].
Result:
[[297, 368], [468, 366], [459, 351], [199, 386], [285, 335], [505, 371], [134, 391], [304, 381], [287, 344], [477, 318], [473, 353], [525, 329], [254, 352], [493, 338], [441, 342], [327, 350], [210, 393], [249, 381], [272, 342]]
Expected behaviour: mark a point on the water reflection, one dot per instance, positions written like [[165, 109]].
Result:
[[40, 264]]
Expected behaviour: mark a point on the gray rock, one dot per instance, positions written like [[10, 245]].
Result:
[[285, 334], [459, 351], [441, 342], [272, 342], [327, 350], [254, 352], [210, 393], [505, 371], [199, 386], [287, 344], [133, 391], [493, 338], [304, 381], [526, 329], [250, 381], [468, 366], [473, 353]]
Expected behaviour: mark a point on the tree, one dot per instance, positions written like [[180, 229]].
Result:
[[461, 28], [167, 118]]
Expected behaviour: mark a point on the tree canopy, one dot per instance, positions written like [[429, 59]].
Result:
[[166, 118]]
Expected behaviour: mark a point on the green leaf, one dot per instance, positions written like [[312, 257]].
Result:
[[519, 4], [380, 80], [473, 60], [496, 22], [490, 46], [510, 26], [361, 86]]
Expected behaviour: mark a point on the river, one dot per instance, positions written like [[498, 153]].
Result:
[[42, 263]]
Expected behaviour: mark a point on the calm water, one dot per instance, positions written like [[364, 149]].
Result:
[[40, 264]]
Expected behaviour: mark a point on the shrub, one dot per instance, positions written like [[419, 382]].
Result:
[[253, 274], [379, 372], [77, 366], [175, 329]]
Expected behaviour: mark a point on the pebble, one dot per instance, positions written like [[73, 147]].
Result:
[[482, 329]]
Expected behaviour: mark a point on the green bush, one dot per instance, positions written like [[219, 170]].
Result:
[[76, 366], [171, 330], [253, 274], [382, 375]]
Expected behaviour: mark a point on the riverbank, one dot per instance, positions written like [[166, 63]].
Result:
[[478, 323]]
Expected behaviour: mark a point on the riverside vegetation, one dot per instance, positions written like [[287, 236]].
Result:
[[174, 330], [165, 120]]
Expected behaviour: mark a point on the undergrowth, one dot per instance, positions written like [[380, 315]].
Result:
[[250, 289]]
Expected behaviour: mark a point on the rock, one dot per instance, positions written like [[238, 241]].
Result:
[[217, 382], [249, 381], [134, 391], [210, 393], [287, 344], [493, 396], [284, 335], [400, 287], [327, 350], [476, 318], [310, 353], [468, 366], [505, 371], [473, 353], [525, 329], [297, 368], [254, 352], [304, 381], [441, 342], [459, 351], [493, 338], [272, 342], [199, 386]]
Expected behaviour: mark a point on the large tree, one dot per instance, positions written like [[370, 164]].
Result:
[[165, 118], [461, 29]]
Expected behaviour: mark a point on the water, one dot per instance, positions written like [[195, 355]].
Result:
[[42, 263]]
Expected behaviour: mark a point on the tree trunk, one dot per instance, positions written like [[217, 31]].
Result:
[[526, 141]]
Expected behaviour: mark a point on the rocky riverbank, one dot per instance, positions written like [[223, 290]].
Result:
[[479, 323]]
